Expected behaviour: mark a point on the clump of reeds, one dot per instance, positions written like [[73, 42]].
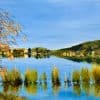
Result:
[[44, 77], [96, 74], [76, 76], [13, 77], [31, 76], [85, 75], [55, 76]]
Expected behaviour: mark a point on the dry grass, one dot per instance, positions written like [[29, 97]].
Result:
[[31, 76], [96, 74], [55, 76], [13, 77], [85, 75], [76, 76]]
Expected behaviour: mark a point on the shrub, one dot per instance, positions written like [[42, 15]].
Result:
[[96, 74], [76, 76], [85, 75], [31, 76], [55, 76], [13, 77]]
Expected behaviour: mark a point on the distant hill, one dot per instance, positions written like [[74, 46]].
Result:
[[85, 51], [87, 46]]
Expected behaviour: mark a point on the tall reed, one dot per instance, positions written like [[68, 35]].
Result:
[[31, 76], [55, 76], [85, 75], [13, 77], [76, 76], [96, 74]]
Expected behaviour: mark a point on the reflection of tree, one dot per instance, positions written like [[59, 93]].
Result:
[[97, 90], [86, 88], [31, 88], [77, 89], [40, 56]]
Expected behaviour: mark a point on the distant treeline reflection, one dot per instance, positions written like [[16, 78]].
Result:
[[40, 53]]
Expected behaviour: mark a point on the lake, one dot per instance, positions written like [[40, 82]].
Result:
[[47, 91]]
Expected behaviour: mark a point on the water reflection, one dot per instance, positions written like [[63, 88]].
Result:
[[86, 88], [56, 89], [44, 86], [97, 90], [31, 88], [77, 89], [37, 81], [10, 96], [11, 88]]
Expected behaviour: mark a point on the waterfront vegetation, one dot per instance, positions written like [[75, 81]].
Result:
[[76, 77], [12, 77], [31, 76], [55, 76], [96, 74], [84, 75], [81, 80], [89, 52]]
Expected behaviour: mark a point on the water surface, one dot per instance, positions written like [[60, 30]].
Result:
[[47, 91]]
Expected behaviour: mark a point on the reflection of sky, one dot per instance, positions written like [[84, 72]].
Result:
[[56, 23]]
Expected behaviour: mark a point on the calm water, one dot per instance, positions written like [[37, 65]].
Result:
[[46, 91]]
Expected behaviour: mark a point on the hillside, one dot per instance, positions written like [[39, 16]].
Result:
[[84, 51], [87, 46]]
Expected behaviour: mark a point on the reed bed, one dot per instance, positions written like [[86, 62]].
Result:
[[12, 77], [96, 74], [55, 76], [85, 75], [31, 76], [76, 77]]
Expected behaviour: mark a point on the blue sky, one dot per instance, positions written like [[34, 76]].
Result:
[[56, 23]]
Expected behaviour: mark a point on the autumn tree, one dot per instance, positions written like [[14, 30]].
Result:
[[9, 29]]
